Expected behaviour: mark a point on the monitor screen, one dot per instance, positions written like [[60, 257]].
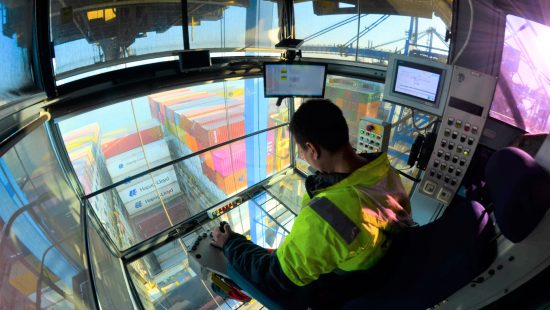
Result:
[[294, 80], [417, 81]]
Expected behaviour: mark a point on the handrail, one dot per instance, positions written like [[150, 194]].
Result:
[[28, 208], [22, 132]]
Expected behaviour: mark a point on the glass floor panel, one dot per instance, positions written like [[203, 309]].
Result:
[[167, 279]]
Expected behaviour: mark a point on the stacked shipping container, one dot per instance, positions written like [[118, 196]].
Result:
[[201, 120], [356, 99], [148, 200], [204, 119], [89, 164]]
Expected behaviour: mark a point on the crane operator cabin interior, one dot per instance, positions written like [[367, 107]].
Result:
[[131, 131]]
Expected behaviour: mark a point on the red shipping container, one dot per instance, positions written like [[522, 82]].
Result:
[[177, 96], [214, 133], [129, 142], [191, 102], [167, 106], [155, 109], [187, 118], [156, 220], [170, 93], [214, 116]]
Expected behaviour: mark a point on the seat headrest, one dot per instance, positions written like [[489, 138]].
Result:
[[520, 189]]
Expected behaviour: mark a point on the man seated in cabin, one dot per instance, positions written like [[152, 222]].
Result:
[[353, 204]]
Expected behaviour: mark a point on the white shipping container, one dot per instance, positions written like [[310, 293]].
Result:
[[146, 185], [141, 169], [135, 159], [152, 199]]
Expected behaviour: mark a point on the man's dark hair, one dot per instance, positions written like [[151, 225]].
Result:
[[321, 122]]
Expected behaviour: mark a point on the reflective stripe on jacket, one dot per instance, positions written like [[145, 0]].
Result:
[[345, 226]]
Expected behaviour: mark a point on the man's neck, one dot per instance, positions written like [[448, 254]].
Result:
[[345, 161]]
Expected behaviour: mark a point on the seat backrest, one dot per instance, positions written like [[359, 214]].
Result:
[[520, 190], [426, 264]]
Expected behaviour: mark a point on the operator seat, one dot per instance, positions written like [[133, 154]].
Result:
[[427, 264], [520, 190]]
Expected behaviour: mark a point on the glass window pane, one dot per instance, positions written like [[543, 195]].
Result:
[[110, 144], [42, 246], [110, 281], [87, 34], [290, 191], [164, 279], [382, 35], [143, 207], [328, 28], [233, 26], [522, 94], [16, 80], [369, 32], [359, 98], [167, 278]]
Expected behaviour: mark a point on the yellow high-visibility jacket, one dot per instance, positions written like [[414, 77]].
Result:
[[344, 226]]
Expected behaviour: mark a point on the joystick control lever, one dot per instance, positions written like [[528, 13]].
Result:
[[222, 224]]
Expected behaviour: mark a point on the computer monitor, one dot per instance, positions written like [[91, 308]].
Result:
[[418, 83], [294, 80]]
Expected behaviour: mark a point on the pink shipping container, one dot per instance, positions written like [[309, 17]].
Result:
[[229, 159]]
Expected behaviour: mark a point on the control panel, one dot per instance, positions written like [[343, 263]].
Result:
[[224, 207], [470, 97], [208, 257], [373, 135]]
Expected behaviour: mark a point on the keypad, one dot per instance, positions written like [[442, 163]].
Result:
[[369, 141], [452, 155]]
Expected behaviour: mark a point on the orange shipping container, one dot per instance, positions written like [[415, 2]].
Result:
[[207, 159], [270, 163], [191, 142], [229, 184]]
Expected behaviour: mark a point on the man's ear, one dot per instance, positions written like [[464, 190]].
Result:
[[314, 150]]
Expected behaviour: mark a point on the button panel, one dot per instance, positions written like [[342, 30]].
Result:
[[225, 207], [451, 157], [470, 94], [373, 135]]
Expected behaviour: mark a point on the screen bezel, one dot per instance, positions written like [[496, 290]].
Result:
[[412, 102], [408, 64], [322, 95]]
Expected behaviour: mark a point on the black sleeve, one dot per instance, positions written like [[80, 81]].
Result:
[[256, 264]]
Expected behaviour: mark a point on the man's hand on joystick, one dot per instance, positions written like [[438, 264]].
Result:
[[220, 235]]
